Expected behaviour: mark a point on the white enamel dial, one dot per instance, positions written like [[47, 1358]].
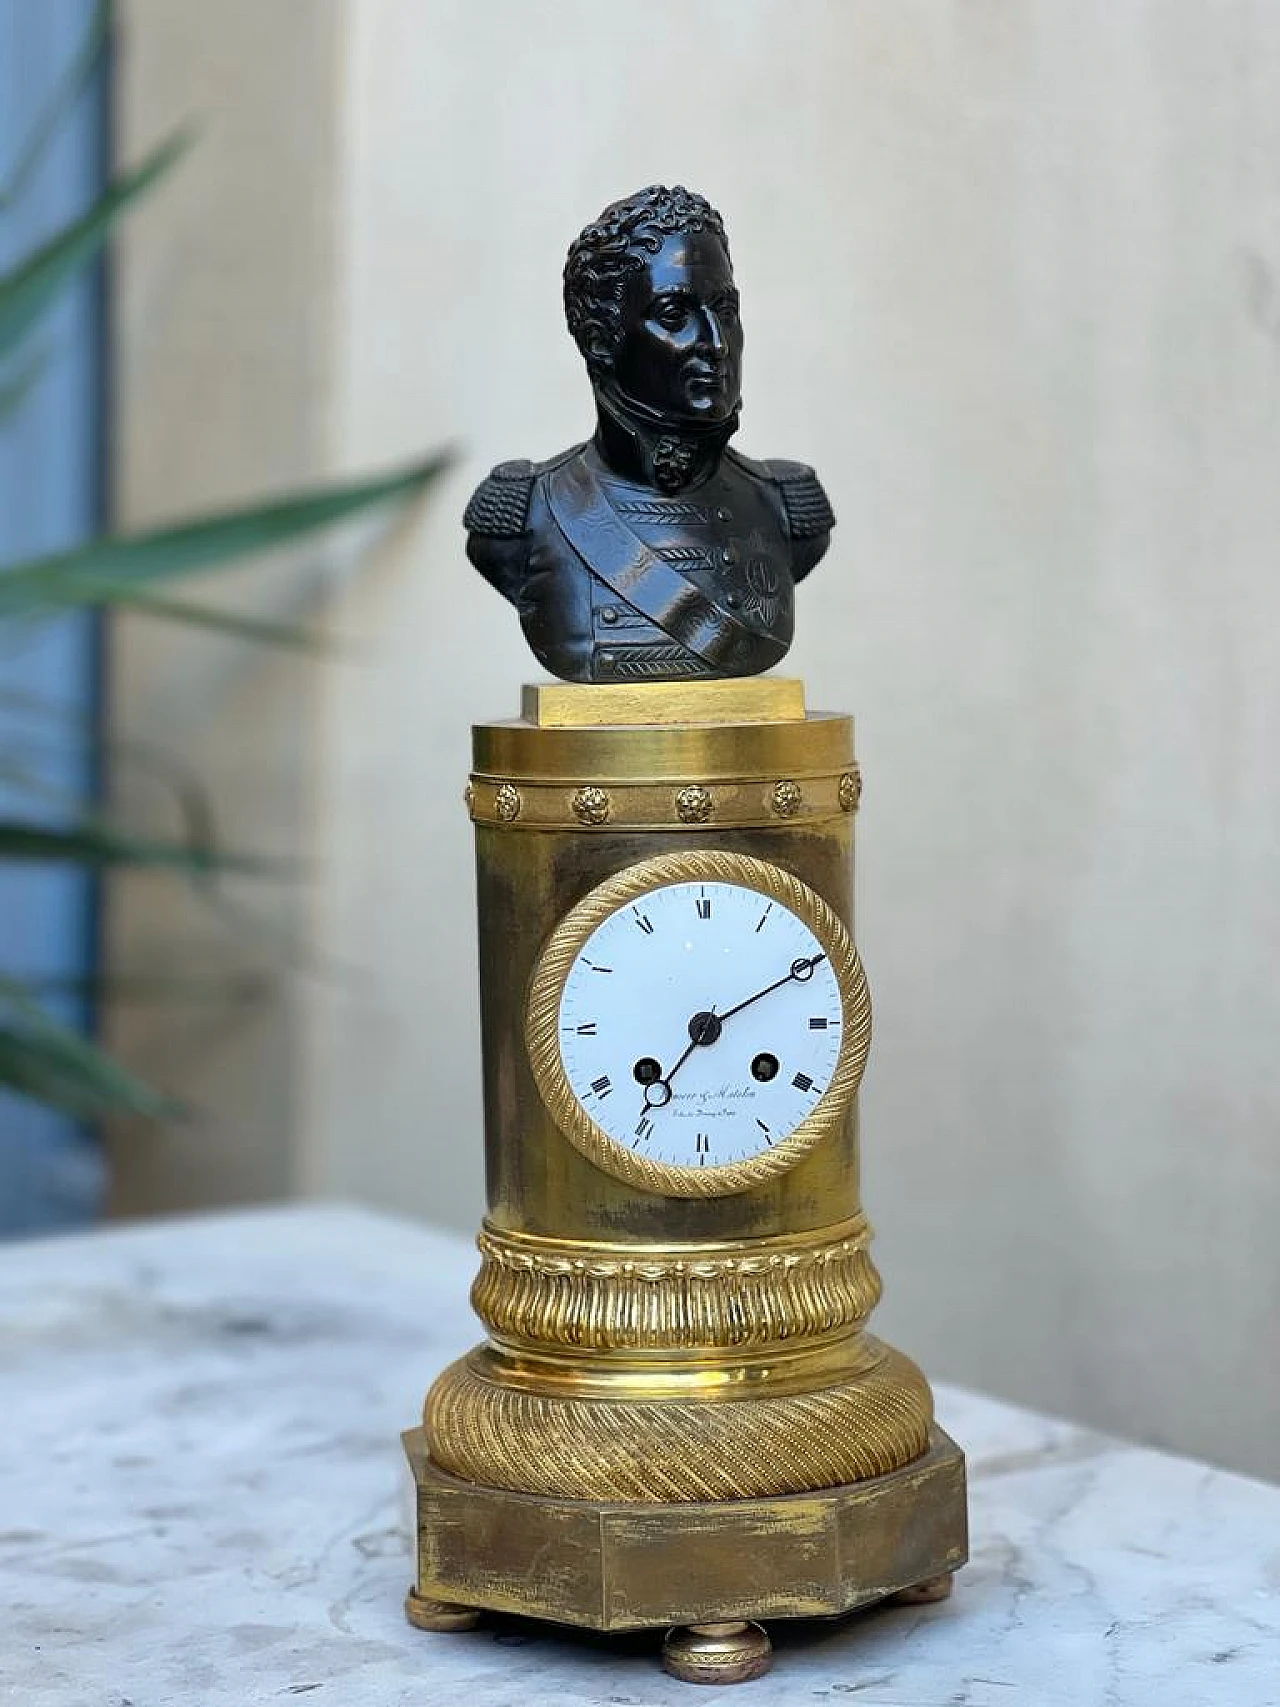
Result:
[[700, 1024]]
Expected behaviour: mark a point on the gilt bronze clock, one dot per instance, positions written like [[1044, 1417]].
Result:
[[678, 1419]]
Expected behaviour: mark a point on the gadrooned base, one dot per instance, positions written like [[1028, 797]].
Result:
[[642, 1565]]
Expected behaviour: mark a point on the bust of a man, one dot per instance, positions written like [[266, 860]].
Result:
[[653, 552]]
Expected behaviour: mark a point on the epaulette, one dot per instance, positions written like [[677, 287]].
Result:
[[809, 511], [499, 506]]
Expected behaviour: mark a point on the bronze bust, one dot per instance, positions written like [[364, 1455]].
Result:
[[653, 552]]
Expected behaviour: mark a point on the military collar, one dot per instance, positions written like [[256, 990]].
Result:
[[638, 444]]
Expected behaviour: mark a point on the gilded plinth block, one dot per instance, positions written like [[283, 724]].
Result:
[[613, 1565]]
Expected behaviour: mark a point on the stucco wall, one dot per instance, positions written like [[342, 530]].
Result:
[[224, 351]]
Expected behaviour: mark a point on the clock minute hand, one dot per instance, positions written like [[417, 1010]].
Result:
[[800, 971], [705, 1027]]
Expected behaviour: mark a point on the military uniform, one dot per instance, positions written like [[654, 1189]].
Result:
[[616, 580]]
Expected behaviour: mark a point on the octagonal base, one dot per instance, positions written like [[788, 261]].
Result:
[[640, 1565]]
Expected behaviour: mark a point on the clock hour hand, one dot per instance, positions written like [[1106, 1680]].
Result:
[[801, 971], [704, 1028]]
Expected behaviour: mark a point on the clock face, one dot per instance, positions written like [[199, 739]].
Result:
[[708, 1029]]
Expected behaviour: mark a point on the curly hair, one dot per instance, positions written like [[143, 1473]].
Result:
[[602, 255]]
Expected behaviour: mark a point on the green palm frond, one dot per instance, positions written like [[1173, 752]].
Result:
[[29, 289], [96, 846], [41, 1058], [49, 1062], [62, 98], [116, 569], [20, 380], [236, 625]]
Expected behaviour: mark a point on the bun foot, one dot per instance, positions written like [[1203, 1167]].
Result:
[[426, 1614], [717, 1653], [921, 1594]]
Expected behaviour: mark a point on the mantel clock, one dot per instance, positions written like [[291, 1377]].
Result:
[[678, 1419]]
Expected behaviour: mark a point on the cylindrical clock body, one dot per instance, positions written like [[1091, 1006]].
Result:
[[539, 1182], [673, 1315]]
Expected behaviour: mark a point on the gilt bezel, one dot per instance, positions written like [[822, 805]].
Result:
[[546, 987]]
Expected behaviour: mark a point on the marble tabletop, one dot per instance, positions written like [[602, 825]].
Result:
[[203, 1503]]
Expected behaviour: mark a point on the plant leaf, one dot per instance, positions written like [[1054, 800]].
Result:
[[26, 292], [48, 725], [59, 1068], [66, 92], [52, 1064], [20, 382], [97, 845], [225, 622], [185, 791], [106, 570], [83, 1082]]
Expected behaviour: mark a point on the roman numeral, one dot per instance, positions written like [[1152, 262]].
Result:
[[819, 1022], [802, 1082], [703, 905], [763, 917], [594, 967], [587, 1030], [768, 1138], [702, 1147], [643, 1130], [645, 923], [602, 1086]]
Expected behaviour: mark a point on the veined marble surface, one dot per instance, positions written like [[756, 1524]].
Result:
[[203, 1503]]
